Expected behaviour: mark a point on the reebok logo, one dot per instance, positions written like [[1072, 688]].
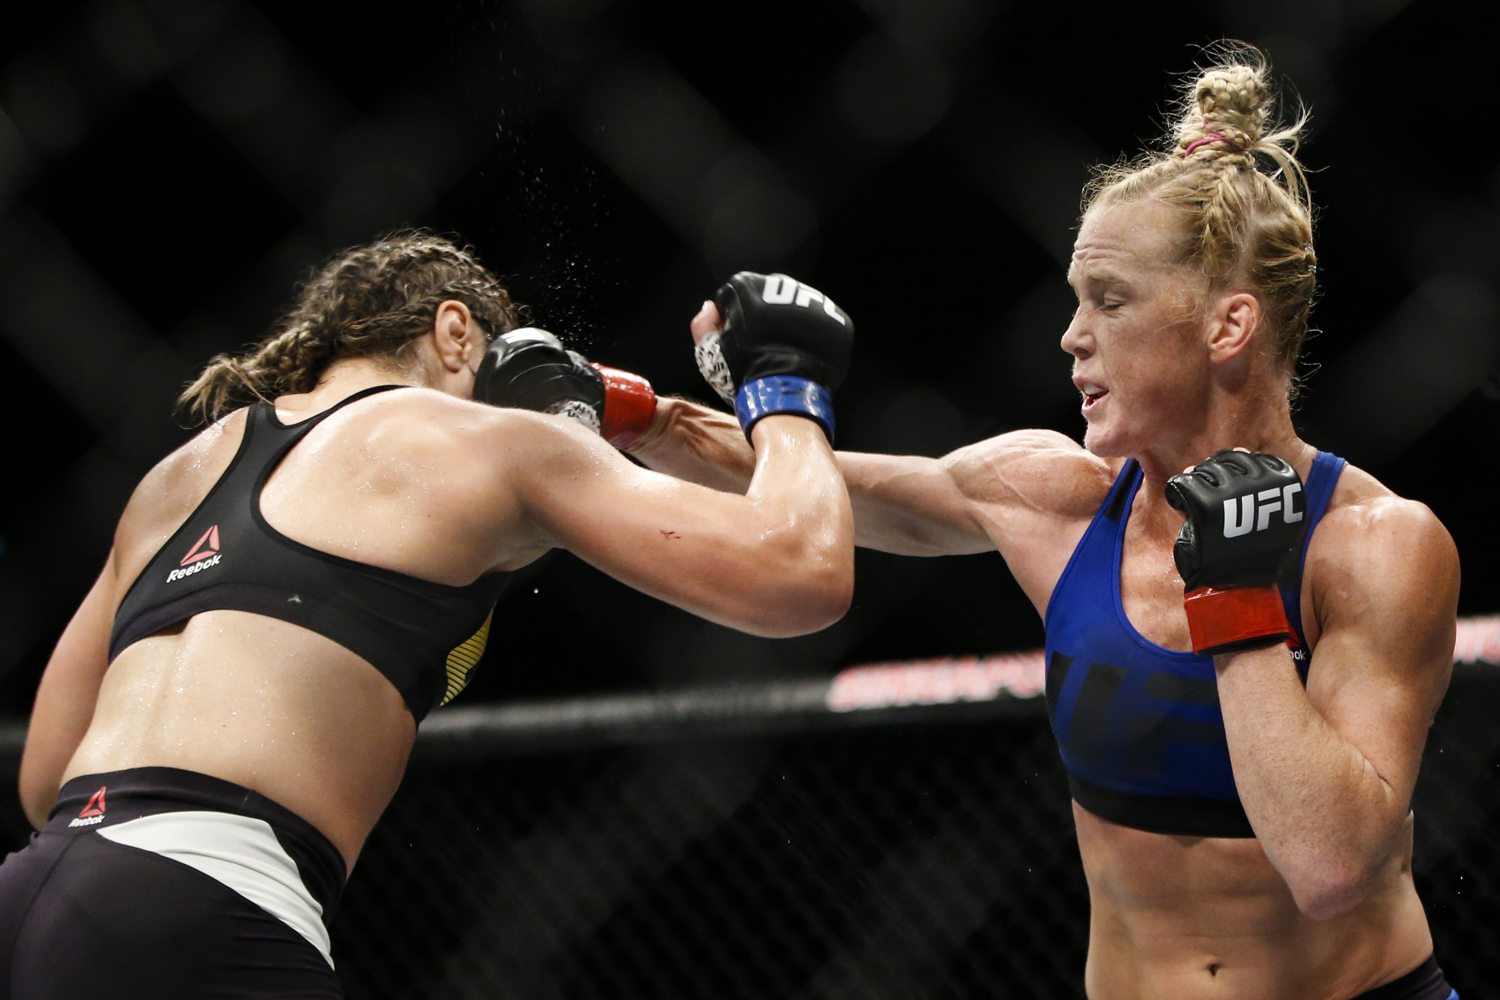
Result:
[[1252, 512], [206, 546], [203, 555], [783, 291], [93, 812]]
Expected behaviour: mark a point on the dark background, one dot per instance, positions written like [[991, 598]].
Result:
[[168, 170]]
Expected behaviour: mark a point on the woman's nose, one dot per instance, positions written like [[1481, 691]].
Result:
[[1075, 339]]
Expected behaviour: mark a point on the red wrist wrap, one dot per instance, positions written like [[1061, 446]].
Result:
[[629, 405], [1227, 618]]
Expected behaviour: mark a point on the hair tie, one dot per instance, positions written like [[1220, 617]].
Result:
[[1211, 137]]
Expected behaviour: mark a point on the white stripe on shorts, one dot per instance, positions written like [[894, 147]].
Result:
[[239, 851]]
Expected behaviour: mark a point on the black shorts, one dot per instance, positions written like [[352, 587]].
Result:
[[1425, 982], [156, 882]]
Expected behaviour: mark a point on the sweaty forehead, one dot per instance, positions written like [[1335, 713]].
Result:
[[1132, 237]]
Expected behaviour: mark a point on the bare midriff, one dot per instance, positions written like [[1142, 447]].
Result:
[[264, 704], [1194, 918]]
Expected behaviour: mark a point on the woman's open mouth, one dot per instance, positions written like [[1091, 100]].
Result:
[[1092, 394]]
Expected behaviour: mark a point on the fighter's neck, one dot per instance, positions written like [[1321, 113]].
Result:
[[1266, 427], [343, 379]]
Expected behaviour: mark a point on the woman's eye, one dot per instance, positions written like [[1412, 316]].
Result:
[[1110, 306]]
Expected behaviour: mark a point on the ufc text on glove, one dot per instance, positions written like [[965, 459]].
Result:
[[784, 348], [1245, 518]]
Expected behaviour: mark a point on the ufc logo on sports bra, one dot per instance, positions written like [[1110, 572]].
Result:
[[783, 291], [1252, 512]]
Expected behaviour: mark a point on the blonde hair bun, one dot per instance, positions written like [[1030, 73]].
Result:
[[1231, 102], [1240, 223]]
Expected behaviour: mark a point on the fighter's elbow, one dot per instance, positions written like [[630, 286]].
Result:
[[808, 601], [1331, 890], [827, 599]]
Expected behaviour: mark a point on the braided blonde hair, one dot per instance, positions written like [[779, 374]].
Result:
[[370, 301], [1241, 225]]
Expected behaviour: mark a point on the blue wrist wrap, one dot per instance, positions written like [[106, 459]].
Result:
[[762, 397]]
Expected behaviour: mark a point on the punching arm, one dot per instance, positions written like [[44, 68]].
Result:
[[905, 504]]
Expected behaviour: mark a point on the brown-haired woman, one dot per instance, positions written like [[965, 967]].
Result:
[[233, 704], [1242, 755]]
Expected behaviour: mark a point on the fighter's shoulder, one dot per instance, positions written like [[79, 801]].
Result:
[[1041, 468], [1364, 508], [1373, 540], [174, 486], [183, 476], [433, 424]]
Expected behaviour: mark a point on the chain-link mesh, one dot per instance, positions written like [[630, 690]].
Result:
[[935, 861], [918, 861], [1457, 861]]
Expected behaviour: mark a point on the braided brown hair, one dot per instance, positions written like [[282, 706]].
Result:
[[370, 301], [1242, 226]]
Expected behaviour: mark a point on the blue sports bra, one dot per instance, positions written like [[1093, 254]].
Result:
[[1139, 725]]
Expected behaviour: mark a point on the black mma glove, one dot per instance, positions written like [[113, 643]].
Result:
[[531, 370], [785, 347], [1245, 519]]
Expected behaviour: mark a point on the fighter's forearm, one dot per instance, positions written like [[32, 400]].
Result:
[[698, 444], [903, 504], [1324, 815]]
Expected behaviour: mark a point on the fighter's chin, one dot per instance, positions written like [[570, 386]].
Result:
[[1105, 442]]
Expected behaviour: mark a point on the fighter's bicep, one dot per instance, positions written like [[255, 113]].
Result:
[[1008, 491], [910, 505]]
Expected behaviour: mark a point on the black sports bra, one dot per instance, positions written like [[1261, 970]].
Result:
[[424, 637]]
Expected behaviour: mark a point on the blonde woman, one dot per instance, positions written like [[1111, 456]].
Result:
[[1241, 694]]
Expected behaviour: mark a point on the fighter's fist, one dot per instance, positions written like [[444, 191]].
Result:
[[531, 370], [1245, 518], [784, 347]]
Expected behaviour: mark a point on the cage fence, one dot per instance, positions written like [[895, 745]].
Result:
[[902, 832]]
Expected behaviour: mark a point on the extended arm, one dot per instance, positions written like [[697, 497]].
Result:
[[1326, 773], [905, 504], [909, 505], [1028, 493]]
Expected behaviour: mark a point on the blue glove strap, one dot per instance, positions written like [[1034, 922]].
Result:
[[762, 397]]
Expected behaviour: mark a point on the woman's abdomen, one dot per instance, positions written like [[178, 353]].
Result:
[[1192, 917]]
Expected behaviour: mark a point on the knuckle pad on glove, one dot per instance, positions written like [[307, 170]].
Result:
[[1244, 513], [776, 325]]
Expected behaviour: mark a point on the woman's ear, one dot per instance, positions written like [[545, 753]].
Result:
[[1232, 326], [456, 335]]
